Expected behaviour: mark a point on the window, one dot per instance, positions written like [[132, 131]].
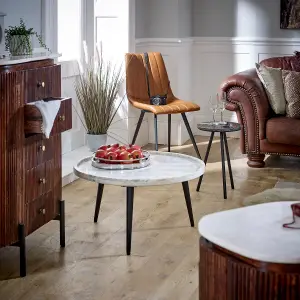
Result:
[[69, 29]]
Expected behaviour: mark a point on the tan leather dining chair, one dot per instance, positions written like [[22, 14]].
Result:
[[159, 84]]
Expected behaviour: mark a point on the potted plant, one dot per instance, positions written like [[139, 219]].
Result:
[[97, 88], [18, 39]]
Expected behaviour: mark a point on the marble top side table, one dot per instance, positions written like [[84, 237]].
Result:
[[246, 253], [165, 168], [222, 129]]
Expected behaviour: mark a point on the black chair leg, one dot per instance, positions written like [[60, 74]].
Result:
[[169, 132], [155, 133], [223, 165], [187, 125], [206, 158], [98, 201], [62, 223], [138, 126], [188, 201], [130, 196], [22, 245], [228, 161]]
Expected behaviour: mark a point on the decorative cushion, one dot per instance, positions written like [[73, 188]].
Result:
[[291, 83], [271, 79]]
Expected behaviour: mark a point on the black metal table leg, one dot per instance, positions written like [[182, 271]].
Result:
[[206, 158], [22, 245], [223, 165], [62, 223], [228, 161], [98, 201], [169, 132], [130, 196], [188, 201]]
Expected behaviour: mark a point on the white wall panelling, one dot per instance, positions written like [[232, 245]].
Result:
[[198, 65]]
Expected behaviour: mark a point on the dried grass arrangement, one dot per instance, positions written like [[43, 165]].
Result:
[[97, 89]]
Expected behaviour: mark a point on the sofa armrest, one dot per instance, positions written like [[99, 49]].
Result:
[[247, 96]]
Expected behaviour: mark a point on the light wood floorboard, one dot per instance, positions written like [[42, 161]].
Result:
[[165, 252]]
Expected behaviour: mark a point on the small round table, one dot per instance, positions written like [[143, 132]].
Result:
[[222, 129], [165, 168], [246, 253]]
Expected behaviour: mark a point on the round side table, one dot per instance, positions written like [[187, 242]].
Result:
[[222, 129], [165, 168], [246, 253]]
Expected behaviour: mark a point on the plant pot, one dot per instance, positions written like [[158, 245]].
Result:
[[94, 141], [20, 45]]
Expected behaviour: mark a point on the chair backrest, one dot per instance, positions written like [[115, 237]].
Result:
[[136, 84]]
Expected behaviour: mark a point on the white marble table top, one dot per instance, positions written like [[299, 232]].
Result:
[[165, 168], [12, 60], [255, 232]]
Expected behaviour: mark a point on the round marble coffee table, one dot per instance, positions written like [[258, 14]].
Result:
[[246, 253], [165, 168]]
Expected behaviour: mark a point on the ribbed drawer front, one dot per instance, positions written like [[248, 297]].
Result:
[[63, 119], [38, 152], [42, 83], [39, 180], [40, 211]]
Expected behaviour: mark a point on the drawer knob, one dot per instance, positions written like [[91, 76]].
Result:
[[42, 180], [42, 148], [62, 118], [41, 84], [42, 211]]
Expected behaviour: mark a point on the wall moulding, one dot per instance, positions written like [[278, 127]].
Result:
[[198, 65]]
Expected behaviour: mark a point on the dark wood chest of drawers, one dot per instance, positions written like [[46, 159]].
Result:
[[30, 164]]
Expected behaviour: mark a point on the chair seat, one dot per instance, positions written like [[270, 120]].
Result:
[[283, 130], [174, 106]]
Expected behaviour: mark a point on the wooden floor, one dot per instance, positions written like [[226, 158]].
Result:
[[164, 260]]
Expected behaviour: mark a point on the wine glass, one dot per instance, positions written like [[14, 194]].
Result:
[[222, 105], [214, 107]]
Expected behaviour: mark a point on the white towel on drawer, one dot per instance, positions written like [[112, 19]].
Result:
[[49, 110]]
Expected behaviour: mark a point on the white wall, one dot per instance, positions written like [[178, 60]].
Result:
[[30, 11], [185, 20], [163, 18], [239, 18], [226, 37], [142, 18]]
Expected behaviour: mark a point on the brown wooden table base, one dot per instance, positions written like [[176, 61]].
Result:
[[228, 276]]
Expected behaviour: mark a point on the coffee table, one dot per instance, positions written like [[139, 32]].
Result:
[[246, 253], [165, 168], [222, 129]]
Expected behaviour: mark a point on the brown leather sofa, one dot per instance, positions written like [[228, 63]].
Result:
[[262, 132]]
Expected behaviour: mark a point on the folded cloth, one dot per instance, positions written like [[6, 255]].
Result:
[[49, 110]]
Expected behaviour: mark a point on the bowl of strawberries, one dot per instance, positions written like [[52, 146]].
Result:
[[120, 157]]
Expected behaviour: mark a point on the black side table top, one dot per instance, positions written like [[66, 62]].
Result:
[[211, 127]]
